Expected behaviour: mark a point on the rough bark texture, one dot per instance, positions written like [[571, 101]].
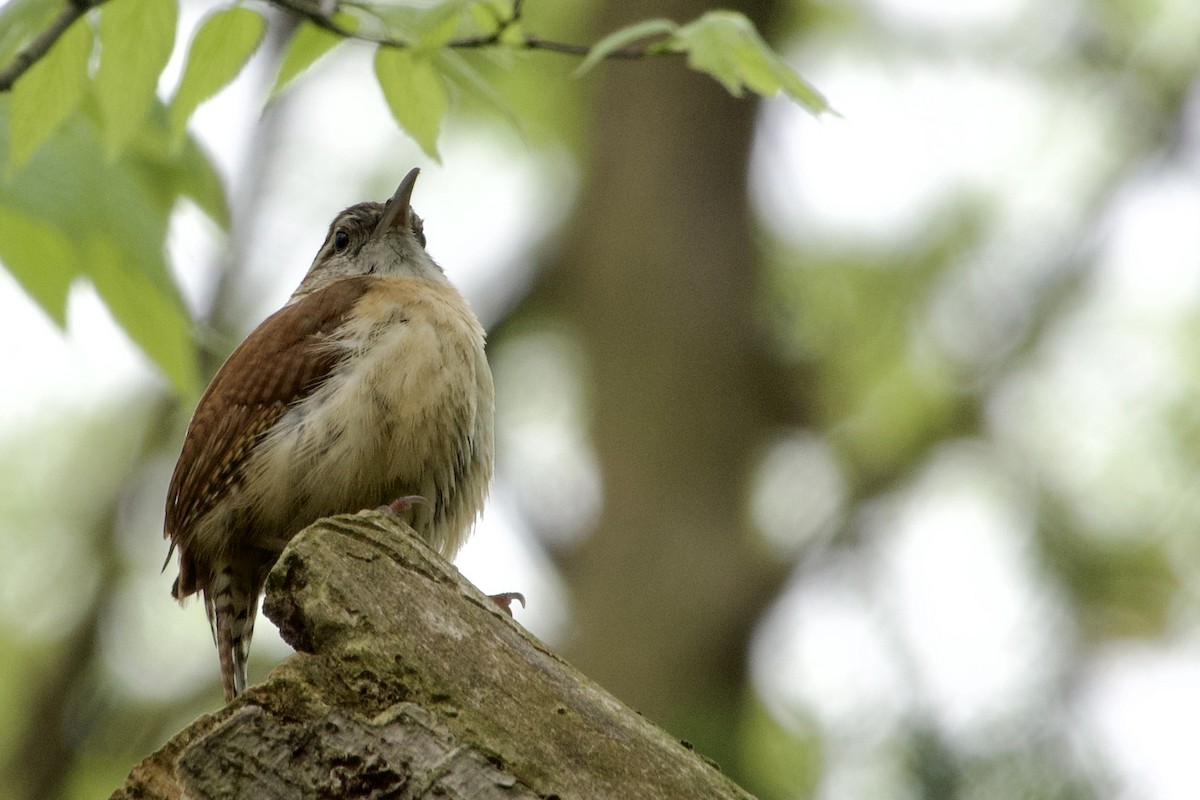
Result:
[[409, 683]]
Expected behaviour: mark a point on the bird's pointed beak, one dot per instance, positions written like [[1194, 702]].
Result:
[[397, 213]]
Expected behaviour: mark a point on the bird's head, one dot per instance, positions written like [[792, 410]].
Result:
[[374, 239]]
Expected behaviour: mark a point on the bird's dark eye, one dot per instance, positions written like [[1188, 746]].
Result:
[[341, 240]]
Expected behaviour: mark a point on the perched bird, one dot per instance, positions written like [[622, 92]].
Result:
[[369, 388]]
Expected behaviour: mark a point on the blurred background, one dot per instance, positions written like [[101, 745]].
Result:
[[860, 451]]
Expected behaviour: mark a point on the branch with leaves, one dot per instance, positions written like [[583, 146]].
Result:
[[86, 145], [506, 32], [414, 57], [42, 43], [341, 24]]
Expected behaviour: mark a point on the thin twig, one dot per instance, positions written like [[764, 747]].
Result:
[[22, 61], [632, 52], [314, 14], [318, 17]]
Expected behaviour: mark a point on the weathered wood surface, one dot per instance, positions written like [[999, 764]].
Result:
[[409, 683]]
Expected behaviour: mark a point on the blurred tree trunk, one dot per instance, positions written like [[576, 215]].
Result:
[[659, 272]]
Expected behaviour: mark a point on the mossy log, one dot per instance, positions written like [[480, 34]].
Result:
[[409, 683]]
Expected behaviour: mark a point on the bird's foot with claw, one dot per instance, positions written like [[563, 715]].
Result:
[[505, 600]]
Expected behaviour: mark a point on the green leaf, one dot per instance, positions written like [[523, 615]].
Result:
[[623, 37], [70, 189], [41, 258], [459, 71], [167, 172], [221, 47], [487, 14], [197, 179], [426, 28], [438, 24], [70, 185], [414, 93], [47, 94], [136, 39], [308, 43], [725, 45], [151, 317], [513, 35]]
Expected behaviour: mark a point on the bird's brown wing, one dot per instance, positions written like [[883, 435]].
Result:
[[281, 362]]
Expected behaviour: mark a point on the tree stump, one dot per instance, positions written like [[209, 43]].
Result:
[[408, 682]]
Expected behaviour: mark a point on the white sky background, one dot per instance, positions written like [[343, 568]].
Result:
[[911, 134]]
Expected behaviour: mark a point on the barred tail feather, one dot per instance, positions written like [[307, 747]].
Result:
[[231, 602]]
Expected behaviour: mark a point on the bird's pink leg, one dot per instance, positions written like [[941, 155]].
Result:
[[402, 504]]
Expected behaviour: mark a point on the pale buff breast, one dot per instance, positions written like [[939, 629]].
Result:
[[408, 413]]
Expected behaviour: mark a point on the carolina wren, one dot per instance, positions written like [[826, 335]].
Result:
[[369, 386]]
